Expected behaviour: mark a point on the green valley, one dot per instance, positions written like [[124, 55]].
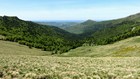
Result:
[[103, 50], [69, 39]]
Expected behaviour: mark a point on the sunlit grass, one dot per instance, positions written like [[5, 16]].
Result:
[[125, 48], [1, 37], [44, 67], [12, 48]]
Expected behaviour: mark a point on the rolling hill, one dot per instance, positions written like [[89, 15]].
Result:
[[125, 48], [92, 26]]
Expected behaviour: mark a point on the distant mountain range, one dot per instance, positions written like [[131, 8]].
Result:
[[61, 24], [80, 28]]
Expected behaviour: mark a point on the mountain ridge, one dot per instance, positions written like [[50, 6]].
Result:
[[85, 26], [106, 32]]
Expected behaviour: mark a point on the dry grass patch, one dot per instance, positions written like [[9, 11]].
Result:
[[44, 67]]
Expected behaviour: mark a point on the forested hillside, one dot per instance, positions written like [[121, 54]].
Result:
[[106, 32], [114, 30], [38, 36], [93, 26]]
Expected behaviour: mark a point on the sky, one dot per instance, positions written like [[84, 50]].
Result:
[[41, 10]]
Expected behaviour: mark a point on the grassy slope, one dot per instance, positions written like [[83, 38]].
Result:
[[15, 64], [11, 48], [128, 47]]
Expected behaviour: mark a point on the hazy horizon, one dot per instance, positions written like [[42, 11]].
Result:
[[54, 10]]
